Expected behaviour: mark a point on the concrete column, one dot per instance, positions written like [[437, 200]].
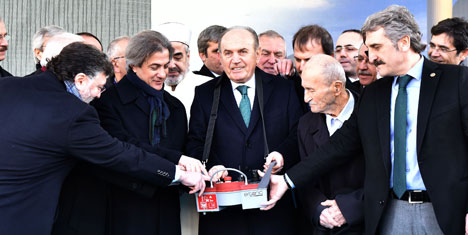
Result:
[[437, 10]]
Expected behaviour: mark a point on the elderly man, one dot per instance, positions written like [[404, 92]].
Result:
[[55, 45], [346, 49], [3, 47], [412, 127], [333, 204], [238, 136], [38, 153], [180, 82], [366, 71], [208, 51], [273, 49], [116, 54], [449, 42], [39, 43]]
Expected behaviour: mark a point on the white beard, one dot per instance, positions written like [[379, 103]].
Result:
[[174, 81]]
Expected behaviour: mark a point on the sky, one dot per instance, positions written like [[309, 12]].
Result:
[[283, 16]]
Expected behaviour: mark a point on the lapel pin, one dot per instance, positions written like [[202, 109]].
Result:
[[432, 75]]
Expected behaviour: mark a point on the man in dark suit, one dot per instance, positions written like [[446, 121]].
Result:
[[413, 136], [3, 47], [333, 205], [208, 51], [238, 138], [50, 127], [347, 46]]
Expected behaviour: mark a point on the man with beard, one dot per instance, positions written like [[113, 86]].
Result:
[[345, 50], [181, 82], [3, 47]]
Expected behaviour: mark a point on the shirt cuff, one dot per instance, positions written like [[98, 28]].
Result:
[[177, 175], [289, 181]]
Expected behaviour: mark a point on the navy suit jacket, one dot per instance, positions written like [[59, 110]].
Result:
[[46, 131], [441, 145], [205, 72], [234, 145], [343, 184]]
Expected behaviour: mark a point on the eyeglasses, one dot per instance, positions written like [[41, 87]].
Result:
[[442, 49], [118, 57], [101, 89], [347, 48], [359, 59], [4, 36]]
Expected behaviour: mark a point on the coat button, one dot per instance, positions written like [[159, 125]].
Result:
[[381, 203], [134, 186]]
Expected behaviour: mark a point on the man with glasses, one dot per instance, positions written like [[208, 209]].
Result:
[[116, 54], [449, 42], [3, 47], [366, 71], [345, 50]]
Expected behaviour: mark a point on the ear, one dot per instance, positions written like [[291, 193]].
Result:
[[337, 87], [404, 44], [257, 54], [81, 81], [38, 54], [202, 57], [463, 54]]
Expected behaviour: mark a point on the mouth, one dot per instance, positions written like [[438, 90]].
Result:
[[237, 69]]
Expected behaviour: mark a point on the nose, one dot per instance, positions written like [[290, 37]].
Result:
[[433, 52], [4, 41], [172, 64], [306, 97], [372, 57], [272, 59], [236, 58]]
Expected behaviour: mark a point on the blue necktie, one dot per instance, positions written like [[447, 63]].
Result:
[[399, 137], [244, 105]]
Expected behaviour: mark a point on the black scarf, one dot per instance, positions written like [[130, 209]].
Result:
[[159, 111]]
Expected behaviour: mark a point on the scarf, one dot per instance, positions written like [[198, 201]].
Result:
[[159, 111], [71, 88]]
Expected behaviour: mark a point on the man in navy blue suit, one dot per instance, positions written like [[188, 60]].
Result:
[[238, 138], [49, 127]]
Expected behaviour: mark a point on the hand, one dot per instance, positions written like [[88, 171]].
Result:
[[194, 180], [191, 165], [277, 189], [466, 224], [284, 67], [274, 156], [332, 216], [218, 175]]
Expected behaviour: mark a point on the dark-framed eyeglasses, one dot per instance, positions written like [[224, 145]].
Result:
[[118, 57], [359, 59], [4, 36], [442, 49]]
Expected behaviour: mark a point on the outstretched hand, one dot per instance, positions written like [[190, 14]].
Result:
[[277, 189]]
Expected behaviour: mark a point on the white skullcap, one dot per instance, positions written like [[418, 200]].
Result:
[[175, 32]]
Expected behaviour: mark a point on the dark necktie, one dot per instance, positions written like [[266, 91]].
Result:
[[244, 104], [399, 131]]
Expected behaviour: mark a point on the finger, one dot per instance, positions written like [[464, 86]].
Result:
[[289, 67], [202, 188], [203, 170], [260, 173], [327, 203], [268, 205]]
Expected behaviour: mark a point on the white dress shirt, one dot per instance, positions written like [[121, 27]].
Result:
[[250, 91], [335, 123], [413, 176]]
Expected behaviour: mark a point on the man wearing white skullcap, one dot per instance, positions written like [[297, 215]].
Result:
[[180, 82]]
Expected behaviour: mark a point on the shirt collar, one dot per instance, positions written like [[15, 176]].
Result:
[[250, 83], [347, 110]]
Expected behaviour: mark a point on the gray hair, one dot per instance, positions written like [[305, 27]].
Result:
[[250, 30], [330, 68], [56, 44], [111, 49], [271, 34], [143, 45], [397, 21], [41, 35], [210, 34]]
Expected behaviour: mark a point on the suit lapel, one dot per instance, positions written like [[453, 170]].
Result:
[[129, 93], [429, 81], [383, 103], [229, 103]]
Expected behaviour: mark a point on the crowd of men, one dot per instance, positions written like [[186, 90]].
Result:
[[368, 135]]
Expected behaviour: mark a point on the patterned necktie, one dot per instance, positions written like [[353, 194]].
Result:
[[244, 105], [399, 131]]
